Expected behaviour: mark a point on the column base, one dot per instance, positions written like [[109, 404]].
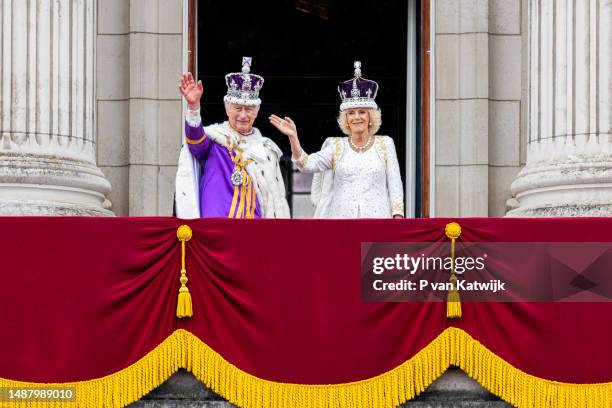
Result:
[[580, 187], [577, 210], [51, 185], [43, 208]]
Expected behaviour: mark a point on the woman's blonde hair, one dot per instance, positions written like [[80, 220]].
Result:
[[375, 121]]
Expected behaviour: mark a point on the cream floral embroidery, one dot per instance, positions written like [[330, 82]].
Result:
[[382, 147], [397, 209], [303, 159], [338, 152]]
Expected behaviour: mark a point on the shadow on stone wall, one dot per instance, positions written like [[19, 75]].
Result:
[[453, 390]]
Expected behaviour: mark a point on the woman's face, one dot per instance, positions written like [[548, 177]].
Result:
[[358, 120]]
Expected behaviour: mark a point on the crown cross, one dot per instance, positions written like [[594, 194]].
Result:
[[246, 64], [357, 66]]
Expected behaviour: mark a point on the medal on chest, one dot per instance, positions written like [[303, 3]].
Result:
[[237, 177]]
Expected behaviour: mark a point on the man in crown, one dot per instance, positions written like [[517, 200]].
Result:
[[229, 169]]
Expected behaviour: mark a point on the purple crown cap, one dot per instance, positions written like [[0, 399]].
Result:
[[243, 87], [358, 92]]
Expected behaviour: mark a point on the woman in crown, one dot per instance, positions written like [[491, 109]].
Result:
[[357, 176]]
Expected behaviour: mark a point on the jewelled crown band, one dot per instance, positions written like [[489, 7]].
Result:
[[243, 87], [358, 92]]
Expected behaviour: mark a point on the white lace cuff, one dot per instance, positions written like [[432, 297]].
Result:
[[193, 118]]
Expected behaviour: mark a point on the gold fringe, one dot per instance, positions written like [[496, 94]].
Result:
[[454, 347]]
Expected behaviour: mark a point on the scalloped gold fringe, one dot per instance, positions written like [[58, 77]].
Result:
[[452, 347]]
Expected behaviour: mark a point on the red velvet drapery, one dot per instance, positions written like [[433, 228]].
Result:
[[82, 298]]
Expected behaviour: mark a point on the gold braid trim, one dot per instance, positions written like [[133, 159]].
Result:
[[397, 209], [452, 347], [243, 191], [337, 152], [195, 142]]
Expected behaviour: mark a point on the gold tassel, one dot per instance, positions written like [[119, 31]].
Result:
[[453, 300], [184, 306]]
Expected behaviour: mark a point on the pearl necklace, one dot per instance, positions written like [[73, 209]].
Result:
[[361, 149]]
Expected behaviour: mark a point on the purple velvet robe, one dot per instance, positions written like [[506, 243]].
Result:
[[216, 188]]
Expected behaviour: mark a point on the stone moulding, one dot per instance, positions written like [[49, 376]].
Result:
[[51, 185]]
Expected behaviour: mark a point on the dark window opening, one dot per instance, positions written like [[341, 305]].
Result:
[[303, 48]]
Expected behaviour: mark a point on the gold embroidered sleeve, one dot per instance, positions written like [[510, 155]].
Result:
[[382, 148], [303, 160], [337, 152], [397, 208], [315, 162]]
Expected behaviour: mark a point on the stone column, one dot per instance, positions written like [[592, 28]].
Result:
[[47, 138], [569, 158]]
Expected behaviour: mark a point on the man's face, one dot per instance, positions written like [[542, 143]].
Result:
[[241, 117]]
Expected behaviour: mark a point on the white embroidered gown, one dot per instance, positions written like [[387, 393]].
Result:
[[355, 184]]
